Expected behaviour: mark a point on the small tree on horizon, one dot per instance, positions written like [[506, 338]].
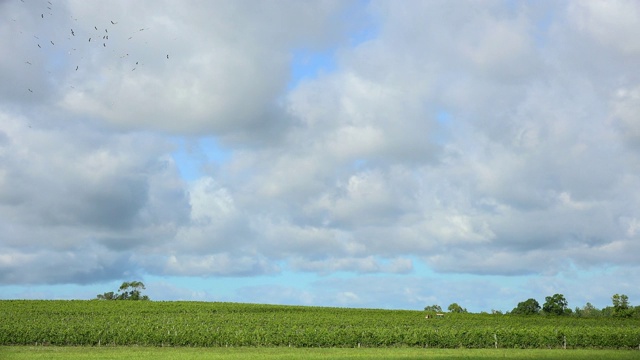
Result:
[[556, 305], [455, 308], [127, 291], [588, 310], [527, 307], [433, 308], [621, 306]]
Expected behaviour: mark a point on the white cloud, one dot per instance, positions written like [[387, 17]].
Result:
[[222, 264], [625, 105], [612, 23], [214, 69], [364, 265]]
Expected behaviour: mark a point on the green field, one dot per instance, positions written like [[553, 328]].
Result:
[[187, 353], [99, 324]]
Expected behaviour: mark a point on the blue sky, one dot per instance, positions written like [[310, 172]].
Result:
[[335, 153]]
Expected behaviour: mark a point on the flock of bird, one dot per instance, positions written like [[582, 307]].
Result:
[[94, 36]]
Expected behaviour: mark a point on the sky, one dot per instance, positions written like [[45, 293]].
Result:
[[370, 154]]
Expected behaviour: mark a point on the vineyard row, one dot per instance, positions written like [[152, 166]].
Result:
[[108, 323]]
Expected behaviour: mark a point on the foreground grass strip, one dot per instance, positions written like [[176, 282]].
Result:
[[144, 353]]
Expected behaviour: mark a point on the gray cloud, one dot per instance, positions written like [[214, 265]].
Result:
[[69, 196]]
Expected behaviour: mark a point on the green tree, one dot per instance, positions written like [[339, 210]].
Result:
[[556, 305], [107, 296], [621, 306], [587, 311], [527, 307], [433, 308], [620, 302], [455, 308], [127, 291], [131, 291]]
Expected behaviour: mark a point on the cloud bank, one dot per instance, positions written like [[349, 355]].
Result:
[[487, 139]]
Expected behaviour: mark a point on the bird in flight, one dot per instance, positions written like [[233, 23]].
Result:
[[72, 33], [113, 22], [30, 90]]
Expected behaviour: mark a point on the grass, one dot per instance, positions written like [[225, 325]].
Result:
[[187, 353]]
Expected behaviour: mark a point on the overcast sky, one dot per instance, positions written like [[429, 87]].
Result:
[[387, 154]]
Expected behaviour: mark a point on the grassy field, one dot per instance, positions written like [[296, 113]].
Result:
[[157, 325], [155, 353]]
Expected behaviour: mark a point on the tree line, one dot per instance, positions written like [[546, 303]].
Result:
[[557, 305]]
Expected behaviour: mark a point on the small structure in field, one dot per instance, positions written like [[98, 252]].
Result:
[[431, 316]]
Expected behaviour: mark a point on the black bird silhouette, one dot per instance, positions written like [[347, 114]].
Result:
[[52, 42], [167, 56], [26, 62], [76, 68], [95, 27], [103, 44], [30, 90], [113, 22], [42, 16], [72, 33], [89, 39], [39, 46]]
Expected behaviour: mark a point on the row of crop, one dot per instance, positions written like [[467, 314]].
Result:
[[320, 337], [96, 323], [224, 312]]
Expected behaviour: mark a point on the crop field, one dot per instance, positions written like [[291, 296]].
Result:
[[200, 324]]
